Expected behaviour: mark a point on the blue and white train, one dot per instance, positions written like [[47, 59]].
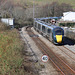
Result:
[[54, 33]]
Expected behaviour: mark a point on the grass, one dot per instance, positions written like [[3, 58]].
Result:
[[42, 2], [71, 2], [10, 52]]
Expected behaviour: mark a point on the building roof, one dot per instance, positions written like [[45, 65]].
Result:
[[69, 16]]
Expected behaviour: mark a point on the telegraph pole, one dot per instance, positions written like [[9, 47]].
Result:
[[33, 9], [33, 12]]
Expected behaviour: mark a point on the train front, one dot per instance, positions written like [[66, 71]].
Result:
[[58, 35]]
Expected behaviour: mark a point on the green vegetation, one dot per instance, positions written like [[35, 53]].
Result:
[[67, 24], [11, 48], [72, 2], [39, 2]]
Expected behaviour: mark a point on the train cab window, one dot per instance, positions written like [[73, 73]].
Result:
[[48, 31], [59, 32], [43, 29]]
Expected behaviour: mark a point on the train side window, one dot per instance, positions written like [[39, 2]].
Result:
[[43, 29], [35, 24], [39, 26], [48, 31]]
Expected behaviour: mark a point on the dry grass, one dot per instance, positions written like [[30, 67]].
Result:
[[3, 27], [11, 48]]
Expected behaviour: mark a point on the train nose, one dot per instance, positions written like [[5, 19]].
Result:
[[59, 38]]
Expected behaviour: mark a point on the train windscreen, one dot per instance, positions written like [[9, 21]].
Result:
[[59, 32]]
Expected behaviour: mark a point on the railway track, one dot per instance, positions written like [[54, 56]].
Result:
[[60, 64], [63, 50], [69, 50]]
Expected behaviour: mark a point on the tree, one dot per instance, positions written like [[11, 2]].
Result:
[[54, 9], [64, 8], [58, 9]]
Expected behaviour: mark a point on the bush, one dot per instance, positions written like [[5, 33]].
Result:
[[67, 24], [4, 27]]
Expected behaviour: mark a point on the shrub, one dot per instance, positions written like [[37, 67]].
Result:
[[4, 27], [67, 24]]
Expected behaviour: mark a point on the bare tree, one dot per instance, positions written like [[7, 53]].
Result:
[[64, 8], [54, 9]]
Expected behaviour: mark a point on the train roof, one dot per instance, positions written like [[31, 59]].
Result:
[[49, 26], [47, 18]]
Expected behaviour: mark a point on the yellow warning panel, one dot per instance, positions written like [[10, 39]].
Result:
[[59, 38]]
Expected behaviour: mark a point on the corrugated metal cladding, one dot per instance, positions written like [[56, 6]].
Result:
[[68, 16], [8, 21]]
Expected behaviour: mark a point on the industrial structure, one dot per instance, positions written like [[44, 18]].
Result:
[[68, 16]]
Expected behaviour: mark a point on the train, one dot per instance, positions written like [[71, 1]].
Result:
[[52, 32]]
